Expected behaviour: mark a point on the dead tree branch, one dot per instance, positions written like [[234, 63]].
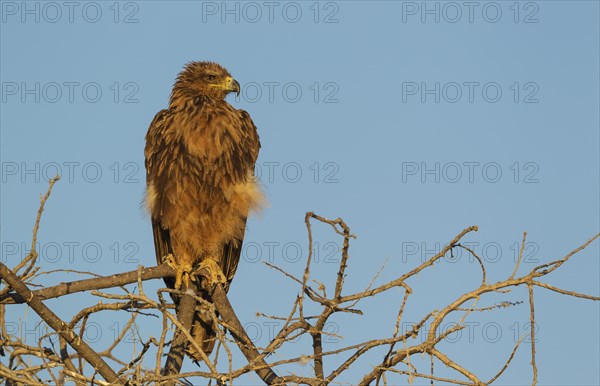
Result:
[[396, 348], [58, 325]]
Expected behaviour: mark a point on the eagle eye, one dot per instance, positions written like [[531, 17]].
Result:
[[210, 78]]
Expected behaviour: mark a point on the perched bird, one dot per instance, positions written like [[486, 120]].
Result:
[[200, 187]]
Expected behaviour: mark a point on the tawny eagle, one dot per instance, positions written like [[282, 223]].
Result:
[[200, 156]]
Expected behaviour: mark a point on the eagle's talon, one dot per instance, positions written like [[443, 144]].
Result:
[[169, 260], [182, 272], [183, 276], [215, 274]]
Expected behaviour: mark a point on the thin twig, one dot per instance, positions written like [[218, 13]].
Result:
[[32, 256], [520, 256], [532, 328]]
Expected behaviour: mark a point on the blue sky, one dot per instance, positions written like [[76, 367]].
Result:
[[410, 120]]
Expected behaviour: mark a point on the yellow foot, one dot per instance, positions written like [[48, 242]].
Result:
[[215, 274], [182, 272], [182, 277]]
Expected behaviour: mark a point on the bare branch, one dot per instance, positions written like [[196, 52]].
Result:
[[58, 325], [32, 256], [520, 256], [510, 358], [185, 315], [540, 269], [565, 292], [448, 362], [101, 282], [397, 347], [532, 329], [237, 330]]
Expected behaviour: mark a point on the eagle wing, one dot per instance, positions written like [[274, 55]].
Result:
[[155, 142], [232, 250]]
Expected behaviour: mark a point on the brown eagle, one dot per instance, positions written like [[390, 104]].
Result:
[[200, 186]]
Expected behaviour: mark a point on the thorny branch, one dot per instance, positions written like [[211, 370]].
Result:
[[44, 362]]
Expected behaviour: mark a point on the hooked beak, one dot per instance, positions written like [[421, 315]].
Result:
[[232, 85]]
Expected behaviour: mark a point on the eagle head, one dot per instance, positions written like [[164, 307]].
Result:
[[205, 79]]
